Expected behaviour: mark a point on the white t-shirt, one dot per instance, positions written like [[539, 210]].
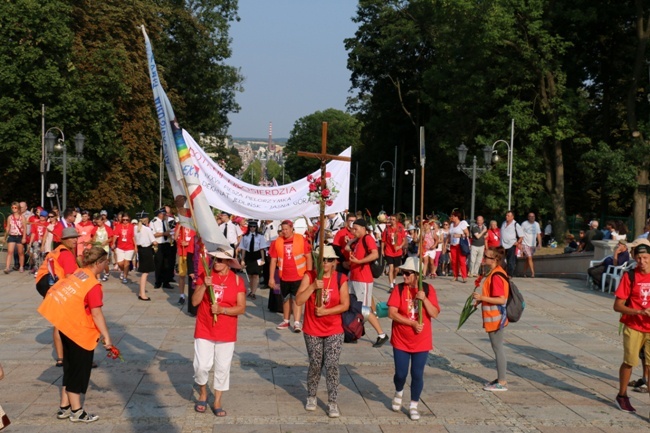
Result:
[[531, 230], [457, 230]]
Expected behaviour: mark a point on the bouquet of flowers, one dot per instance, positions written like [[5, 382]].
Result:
[[317, 193]]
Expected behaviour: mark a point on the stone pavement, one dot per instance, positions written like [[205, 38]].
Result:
[[563, 359]]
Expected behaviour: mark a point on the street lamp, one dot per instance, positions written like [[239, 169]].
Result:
[[394, 174], [412, 171], [355, 176], [53, 144], [474, 171], [511, 148]]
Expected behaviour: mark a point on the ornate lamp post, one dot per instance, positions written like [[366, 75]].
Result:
[[53, 144], [473, 172], [394, 174]]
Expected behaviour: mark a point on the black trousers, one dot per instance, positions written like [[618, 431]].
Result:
[[511, 258], [164, 265], [77, 365]]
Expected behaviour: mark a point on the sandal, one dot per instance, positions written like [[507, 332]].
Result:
[[217, 411], [414, 414], [6, 271], [59, 362], [201, 406], [396, 404]]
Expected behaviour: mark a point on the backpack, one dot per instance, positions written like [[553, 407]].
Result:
[[412, 247], [515, 305], [376, 266], [352, 319]]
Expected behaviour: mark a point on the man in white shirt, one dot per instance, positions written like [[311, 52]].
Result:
[[231, 231], [532, 238], [511, 237], [162, 232]]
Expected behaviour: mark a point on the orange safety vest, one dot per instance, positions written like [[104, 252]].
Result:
[[491, 313], [58, 269], [64, 308], [298, 253]]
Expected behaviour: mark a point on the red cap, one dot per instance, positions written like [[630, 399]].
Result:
[[287, 222]]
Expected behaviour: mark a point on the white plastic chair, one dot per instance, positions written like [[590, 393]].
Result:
[[614, 274], [593, 263]]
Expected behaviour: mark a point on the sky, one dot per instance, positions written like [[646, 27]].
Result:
[[293, 60]]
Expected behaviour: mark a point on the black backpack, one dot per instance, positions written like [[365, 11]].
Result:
[[515, 305], [353, 328], [376, 266]]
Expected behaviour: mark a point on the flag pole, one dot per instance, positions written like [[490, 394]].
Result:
[[206, 268], [421, 243]]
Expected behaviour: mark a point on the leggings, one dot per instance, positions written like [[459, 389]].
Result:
[[324, 351], [418, 360], [496, 339], [458, 262]]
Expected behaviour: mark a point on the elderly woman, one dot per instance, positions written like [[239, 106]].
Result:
[[216, 326], [411, 336], [323, 328], [492, 298], [457, 231], [74, 306]]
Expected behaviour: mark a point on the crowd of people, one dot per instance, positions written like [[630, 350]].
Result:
[[79, 249]]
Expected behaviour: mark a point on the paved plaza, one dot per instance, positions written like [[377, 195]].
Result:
[[563, 359]]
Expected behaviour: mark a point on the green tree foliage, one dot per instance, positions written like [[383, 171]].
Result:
[[343, 131], [463, 69], [85, 61], [275, 170], [253, 173]]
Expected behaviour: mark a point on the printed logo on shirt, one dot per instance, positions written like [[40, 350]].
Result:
[[218, 293], [288, 250], [645, 293]]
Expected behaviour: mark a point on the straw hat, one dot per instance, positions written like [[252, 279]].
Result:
[[329, 253], [226, 253]]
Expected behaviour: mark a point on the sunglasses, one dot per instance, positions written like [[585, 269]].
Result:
[[218, 260], [488, 257], [50, 216], [407, 273], [125, 219], [328, 260]]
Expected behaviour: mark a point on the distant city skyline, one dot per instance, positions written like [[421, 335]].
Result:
[[293, 60]]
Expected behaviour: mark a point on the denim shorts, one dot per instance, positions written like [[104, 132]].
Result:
[[17, 239]]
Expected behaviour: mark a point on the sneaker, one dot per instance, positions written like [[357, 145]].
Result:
[[105, 277], [495, 387], [623, 403], [124, 281], [283, 325], [380, 341], [64, 413], [642, 388], [297, 327], [333, 410], [121, 275], [82, 416], [491, 383], [181, 301], [311, 404]]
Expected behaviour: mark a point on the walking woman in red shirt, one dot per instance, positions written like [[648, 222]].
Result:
[[214, 342], [74, 306], [323, 328], [411, 340]]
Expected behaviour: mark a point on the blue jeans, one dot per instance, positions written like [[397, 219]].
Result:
[[417, 360]]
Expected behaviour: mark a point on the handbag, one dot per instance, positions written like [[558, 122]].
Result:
[[464, 246], [4, 419]]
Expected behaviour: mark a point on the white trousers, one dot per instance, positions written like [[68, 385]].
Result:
[[208, 353], [475, 259]]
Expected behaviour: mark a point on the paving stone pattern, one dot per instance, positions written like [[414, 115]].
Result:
[[563, 359]]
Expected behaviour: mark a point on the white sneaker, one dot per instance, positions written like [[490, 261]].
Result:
[[311, 404], [333, 410], [82, 416], [297, 327]]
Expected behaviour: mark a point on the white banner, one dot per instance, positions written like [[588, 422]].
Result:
[[227, 193]]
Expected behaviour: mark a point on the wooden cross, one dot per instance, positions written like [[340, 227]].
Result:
[[324, 157]]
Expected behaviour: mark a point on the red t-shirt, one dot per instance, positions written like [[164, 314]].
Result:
[[289, 269], [493, 237], [124, 236], [85, 233], [326, 325], [362, 272], [225, 292], [68, 262], [38, 230], [94, 298], [403, 337], [341, 239], [638, 297], [393, 237], [185, 235]]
